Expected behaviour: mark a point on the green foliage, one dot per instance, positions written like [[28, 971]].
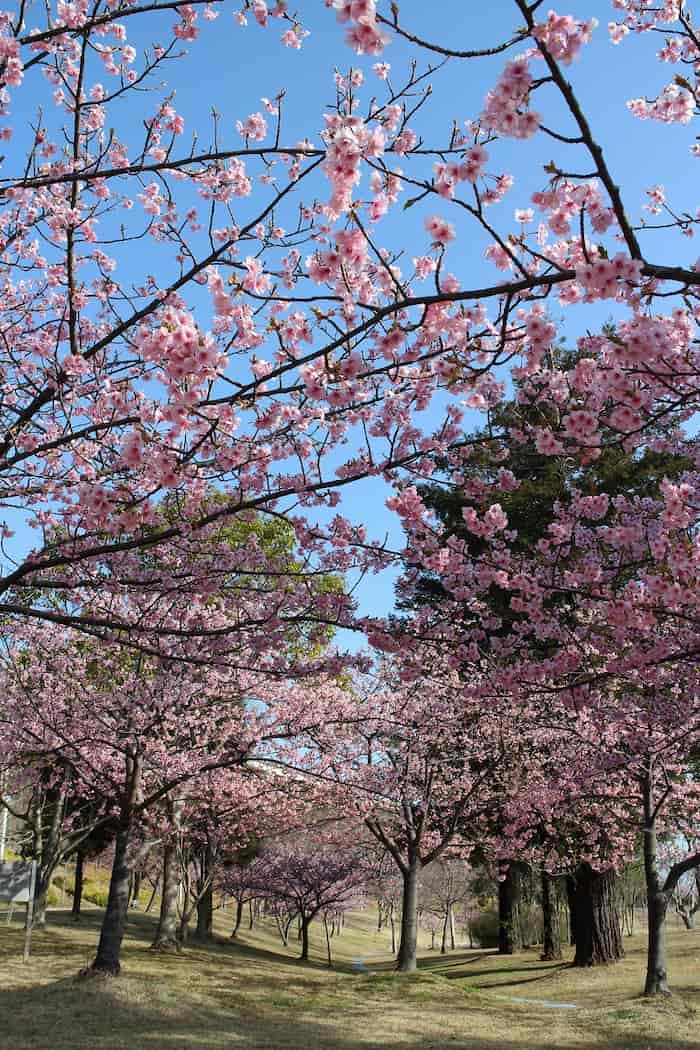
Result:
[[484, 928], [98, 895]]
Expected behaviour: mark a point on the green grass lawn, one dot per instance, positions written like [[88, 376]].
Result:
[[254, 995]]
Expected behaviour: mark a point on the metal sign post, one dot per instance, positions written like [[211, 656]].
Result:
[[18, 886], [29, 921]]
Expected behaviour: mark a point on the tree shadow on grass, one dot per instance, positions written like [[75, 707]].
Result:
[[227, 996], [72, 1015], [517, 976]]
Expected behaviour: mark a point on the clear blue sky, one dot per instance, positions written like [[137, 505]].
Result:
[[231, 68]]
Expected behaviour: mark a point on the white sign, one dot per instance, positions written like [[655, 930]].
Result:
[[17, 882]]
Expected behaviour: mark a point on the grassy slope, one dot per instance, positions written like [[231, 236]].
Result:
[[254, 995]]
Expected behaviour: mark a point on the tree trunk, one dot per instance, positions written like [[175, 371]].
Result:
[[509, 926], [407, 960], [393, 930], [687, 917], [153, 895], [78, 885], [656, 982], [328, 943], [184, 927], [39, 918], [305, 923], [551, 941], [239, 918], [597, 926], [107, 959], [453, 939], [166, 938], [205, 914], [571, 902], [205, 898], [136, 889]]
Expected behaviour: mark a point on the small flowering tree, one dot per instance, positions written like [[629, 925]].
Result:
[[312, 878]]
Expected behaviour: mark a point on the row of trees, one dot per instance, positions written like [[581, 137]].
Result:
[[178, 425]]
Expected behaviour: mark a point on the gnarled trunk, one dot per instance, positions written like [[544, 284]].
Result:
[[205, 896], [39, 916], [305, 923], [509, 894], [239, 918], [407, 959], [597, 926], [656, 982], [205, 914], [78, 885], [571, 904], [551, 942], [166, 938], [108, 957], [135, 888]]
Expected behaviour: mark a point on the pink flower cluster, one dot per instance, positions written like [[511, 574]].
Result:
[[365, 34], [494, 520], [602, 278], [675, 105], [468, 170], [506, 109], [564, 36], [439, 229], [179, 348], [253, 128], [564, 202], [349, 139]]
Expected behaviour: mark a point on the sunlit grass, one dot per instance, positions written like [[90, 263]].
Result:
[[255, 994]]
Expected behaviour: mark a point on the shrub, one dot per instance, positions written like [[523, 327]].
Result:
[[484, 928], [96, 895]]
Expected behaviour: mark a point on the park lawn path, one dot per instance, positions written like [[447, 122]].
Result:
[[254, 996]]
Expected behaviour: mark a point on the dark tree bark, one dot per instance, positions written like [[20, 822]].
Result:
[[108, 957], [166, 938], [305, 923], [509, 894], [205, 914], [39, 916], [78, 885], [443, 939], [551, 944], [407, 959], [153, 895], [135, 889], [597, 926], [571, 903], [328, 943], [658, 898], [239, 918], [393, 929], [656, 982], [205, 895]]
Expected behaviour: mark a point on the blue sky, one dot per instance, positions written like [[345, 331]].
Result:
[[231, 68]]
